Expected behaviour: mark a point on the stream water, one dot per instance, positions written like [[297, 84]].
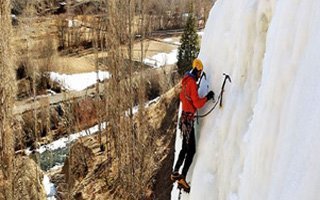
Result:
[[53, 155]]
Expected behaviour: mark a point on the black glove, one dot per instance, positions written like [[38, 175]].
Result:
[[210, 95]]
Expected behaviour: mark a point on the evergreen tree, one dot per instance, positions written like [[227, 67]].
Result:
[[190, 47]]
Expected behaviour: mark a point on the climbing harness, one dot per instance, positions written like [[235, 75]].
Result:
[[219, 100], [186, 124]]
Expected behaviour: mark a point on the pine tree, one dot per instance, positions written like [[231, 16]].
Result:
[[190, 47]]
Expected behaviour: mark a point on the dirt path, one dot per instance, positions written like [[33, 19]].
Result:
[[25, 105]]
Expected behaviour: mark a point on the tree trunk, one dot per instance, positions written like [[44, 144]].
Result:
[[7, 93]]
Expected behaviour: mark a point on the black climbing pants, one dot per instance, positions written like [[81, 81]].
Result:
[[188, 147]]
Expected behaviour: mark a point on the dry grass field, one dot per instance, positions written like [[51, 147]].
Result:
[[39, 36]]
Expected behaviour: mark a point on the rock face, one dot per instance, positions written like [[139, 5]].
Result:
[[80, 177], [77, 165], [28, 180], [90, 173]]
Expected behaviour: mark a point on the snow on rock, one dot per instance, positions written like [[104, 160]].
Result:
[[264, 142], [135, 109], [64, 141], [78, 81], [49, 188]]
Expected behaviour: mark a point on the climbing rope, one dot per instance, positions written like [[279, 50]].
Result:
[[227, 77], [214, 106]]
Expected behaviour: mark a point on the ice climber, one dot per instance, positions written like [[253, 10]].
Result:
[[190, 103]]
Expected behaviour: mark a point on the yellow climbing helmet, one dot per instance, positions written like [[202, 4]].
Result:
[[197, 64]]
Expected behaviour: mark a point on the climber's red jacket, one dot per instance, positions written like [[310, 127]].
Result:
[[189, 95]]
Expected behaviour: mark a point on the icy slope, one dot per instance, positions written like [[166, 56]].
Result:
[[265, 141]]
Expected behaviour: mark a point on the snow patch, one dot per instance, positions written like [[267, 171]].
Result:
[[135, 109], [80, 81], [63, 142], [162, 59], [167, 40], [49, 188]]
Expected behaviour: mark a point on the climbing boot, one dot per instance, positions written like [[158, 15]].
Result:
[[182, 183], [175, 176]]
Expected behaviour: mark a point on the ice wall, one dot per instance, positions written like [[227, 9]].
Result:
[[265, 141]]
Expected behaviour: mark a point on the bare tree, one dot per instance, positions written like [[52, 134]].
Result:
[[7, 94], [113, 90]]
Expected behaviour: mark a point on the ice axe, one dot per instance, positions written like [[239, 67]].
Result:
[[202, 75], [226, 77]]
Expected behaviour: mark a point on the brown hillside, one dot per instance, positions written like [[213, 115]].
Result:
[[92, 176]]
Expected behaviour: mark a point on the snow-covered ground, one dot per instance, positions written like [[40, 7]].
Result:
[[78, 81], [264, 142], [162, 59]]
